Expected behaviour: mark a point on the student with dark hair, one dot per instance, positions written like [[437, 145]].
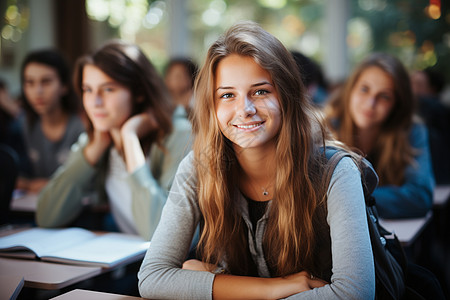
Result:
[[312, 78], [133, 145], [254, 183], [51, 123], [373, 112], [179, 76]]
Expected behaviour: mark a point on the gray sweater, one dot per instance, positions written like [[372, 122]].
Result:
[[161, 276]]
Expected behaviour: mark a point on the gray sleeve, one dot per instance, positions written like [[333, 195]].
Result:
[[150, 186], [161, 276], [353, 267], [60, 201]]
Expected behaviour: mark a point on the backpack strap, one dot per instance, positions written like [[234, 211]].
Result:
[[369, 177], [389, 271]]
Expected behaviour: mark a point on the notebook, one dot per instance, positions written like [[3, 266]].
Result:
[[75, 246]]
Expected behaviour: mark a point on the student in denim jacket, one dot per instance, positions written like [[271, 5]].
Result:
[[373, 112]]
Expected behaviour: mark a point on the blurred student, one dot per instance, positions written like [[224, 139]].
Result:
[[13, 158], [312, 78], [51, 123], [10, 127], [179, 77], [428, 85], [373, 112], [254, 184], [132, 148]]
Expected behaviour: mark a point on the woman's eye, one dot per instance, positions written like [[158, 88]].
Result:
[[108, 89], [261, 92], [386, 97], [85, 90], [364, 89], [226, 96], [46, 81]]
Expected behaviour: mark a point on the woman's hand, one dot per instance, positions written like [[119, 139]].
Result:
[[97, 146], [33, 186], [140, 125], [131, 132], [244, 287], [301, 282], [195, 265]]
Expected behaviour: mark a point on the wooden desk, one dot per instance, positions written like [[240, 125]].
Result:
[[10, 286], [43, 275], [407, 230], [441, 195], [91, 295]]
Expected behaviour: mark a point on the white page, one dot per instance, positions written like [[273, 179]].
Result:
[[43, 241], [108, 249]]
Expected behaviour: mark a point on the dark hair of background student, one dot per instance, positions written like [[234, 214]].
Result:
[[54, 59]]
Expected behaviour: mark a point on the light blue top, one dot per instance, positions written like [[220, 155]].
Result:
[[353, 273], [414, 198]]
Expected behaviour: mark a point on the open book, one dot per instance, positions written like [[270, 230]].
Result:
[[74, 246]]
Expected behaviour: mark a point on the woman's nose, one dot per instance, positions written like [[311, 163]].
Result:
[[39, 88], [98, 101], [247, 107], [372, 101]]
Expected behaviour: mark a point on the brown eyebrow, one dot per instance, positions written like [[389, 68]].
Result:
[[261, 83], [108, 83], [253, 85]]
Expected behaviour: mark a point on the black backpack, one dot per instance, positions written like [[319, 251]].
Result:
[[395, 277]]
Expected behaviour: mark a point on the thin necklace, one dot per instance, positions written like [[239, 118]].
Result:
[[265, 190]]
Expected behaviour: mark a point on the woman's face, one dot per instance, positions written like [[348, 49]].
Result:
[[108, 104], [246, 101], [42, 88], [372, 98], [177, 79]]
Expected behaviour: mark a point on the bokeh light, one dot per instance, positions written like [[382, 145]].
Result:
[[16, 22], [433, 11], [277, 4]]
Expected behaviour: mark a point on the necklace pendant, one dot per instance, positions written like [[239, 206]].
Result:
[[265, 193]]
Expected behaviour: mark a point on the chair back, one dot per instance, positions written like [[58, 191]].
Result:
[[9, 170]]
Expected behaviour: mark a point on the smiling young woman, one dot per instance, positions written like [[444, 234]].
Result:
[[253, 184]]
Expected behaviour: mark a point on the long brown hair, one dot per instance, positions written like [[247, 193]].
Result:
[[128, 65], [290, 235], [392, 151]]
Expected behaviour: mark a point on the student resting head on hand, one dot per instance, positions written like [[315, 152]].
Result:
[[132, 148]]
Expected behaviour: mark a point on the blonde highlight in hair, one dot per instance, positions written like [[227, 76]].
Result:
[[290, 235]]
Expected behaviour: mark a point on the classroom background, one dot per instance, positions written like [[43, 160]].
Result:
[[335, 34]]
